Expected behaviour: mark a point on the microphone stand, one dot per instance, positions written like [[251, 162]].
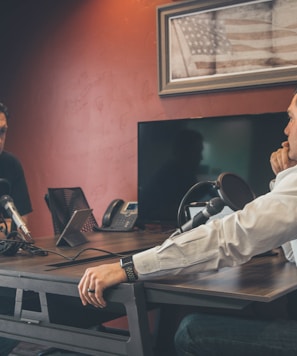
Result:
[[226, 184]]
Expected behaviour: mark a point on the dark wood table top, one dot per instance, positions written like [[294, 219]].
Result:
[[58, 264], [262, 279]]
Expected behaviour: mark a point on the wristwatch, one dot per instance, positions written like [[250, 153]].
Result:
[[128, 265]]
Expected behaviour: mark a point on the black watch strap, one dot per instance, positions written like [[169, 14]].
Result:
[[128, 265]]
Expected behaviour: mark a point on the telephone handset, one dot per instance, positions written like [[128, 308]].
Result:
[[119, 216]]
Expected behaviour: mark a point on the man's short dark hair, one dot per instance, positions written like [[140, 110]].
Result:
[[4, 109]]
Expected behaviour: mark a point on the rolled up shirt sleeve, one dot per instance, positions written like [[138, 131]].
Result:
[[288, 251], [267, 222]]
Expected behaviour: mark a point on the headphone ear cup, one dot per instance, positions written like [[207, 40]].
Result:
[[10, 248]]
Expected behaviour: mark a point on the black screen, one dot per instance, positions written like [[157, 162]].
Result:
[[173, 155]]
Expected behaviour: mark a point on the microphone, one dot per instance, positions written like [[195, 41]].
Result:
[[7, 203], [213, 207]]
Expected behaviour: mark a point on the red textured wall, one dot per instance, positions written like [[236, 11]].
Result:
[[78, 75]]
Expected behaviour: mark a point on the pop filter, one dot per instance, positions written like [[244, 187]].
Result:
[[234, 191]]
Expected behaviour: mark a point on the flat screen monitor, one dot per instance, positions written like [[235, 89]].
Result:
[[173, 155]]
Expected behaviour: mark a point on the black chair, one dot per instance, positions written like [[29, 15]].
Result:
[[62, 202]]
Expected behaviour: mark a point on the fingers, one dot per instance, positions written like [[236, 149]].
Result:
[[95, 298], [279, 160], [90, 290], [96, 279]]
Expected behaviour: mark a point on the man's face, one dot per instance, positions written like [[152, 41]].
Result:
[[3, 130], [291, 129]]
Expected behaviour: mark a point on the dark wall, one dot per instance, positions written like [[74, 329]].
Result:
[[77, 76]]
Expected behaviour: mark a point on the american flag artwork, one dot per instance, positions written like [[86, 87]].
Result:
[[253, 36]]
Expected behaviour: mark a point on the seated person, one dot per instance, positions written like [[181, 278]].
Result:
[[266, 223], [62, 310], [11, 170]]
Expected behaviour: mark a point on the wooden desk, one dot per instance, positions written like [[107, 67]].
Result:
[[263, 279], [41, 275]]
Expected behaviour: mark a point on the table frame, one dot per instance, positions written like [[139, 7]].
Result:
[[231, 288]]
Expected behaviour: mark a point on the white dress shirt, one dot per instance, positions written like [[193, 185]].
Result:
[[267, 222]]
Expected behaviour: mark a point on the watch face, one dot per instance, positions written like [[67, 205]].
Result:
[[126, 261]]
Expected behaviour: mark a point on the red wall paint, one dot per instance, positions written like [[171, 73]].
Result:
[[78, 76]]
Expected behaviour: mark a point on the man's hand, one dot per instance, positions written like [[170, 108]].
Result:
[[280, 160], [96, 279]]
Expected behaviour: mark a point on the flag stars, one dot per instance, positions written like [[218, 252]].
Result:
[[203, 37]]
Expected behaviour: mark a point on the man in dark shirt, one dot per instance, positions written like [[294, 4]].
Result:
[[68, 311], [11, 170]]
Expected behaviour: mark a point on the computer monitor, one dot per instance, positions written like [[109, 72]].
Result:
[[175, 154]]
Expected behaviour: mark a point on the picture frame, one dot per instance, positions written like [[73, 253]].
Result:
[[215, 45]]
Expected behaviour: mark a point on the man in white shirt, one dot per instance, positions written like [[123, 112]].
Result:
[[265, 223]]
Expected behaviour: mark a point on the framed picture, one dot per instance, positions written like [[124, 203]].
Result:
[[211, 45]]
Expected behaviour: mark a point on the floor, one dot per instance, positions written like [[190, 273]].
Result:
[[27, 349]]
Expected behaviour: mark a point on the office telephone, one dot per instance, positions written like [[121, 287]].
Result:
[[119, 216]]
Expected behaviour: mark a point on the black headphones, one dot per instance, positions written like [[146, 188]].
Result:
[[15, 241], [12, 244]]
